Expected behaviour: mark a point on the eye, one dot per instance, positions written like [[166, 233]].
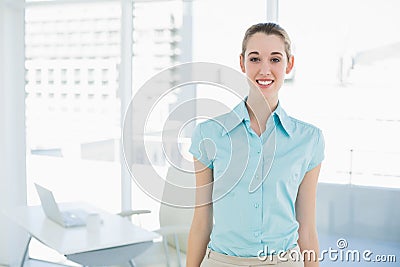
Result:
[[254, 59], [275, 60]]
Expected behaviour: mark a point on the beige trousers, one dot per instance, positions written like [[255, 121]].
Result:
[[288, 259]]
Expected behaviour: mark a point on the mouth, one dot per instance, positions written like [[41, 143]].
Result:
[[264, 82]]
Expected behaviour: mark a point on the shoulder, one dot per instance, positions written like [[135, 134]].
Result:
[[300, 127], [215, 125]]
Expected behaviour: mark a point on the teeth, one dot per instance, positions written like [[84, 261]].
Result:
[[264, 82]]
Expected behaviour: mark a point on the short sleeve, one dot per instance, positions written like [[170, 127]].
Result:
[[318, 153], [198, 148]]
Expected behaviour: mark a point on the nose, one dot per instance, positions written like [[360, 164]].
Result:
[[265, 68]]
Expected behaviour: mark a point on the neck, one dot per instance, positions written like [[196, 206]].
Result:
[[259, 107]]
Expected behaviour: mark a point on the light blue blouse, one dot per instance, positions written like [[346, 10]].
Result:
[[256, 178]]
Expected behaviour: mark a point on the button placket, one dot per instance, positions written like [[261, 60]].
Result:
[[260, 160]]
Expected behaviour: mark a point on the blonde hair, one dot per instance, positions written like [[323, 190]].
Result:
[[268, 28]]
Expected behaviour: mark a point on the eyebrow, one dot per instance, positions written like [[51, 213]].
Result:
[[257, 53], [253, 52]]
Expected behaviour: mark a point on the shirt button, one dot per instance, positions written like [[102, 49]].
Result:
[[259, 151], [257, 177], [256, 205]]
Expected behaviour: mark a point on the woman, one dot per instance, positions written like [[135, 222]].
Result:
[[270, 162]]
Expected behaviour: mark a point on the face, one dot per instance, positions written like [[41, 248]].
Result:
[[265, 63]]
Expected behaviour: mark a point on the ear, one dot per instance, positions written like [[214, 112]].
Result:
[[290, 65], [242, 63]]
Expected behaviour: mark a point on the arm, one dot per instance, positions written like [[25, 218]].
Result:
[[202, 223], [305, 215]]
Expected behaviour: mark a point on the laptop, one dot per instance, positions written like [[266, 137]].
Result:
[[67, 218]]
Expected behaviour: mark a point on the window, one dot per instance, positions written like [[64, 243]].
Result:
[[152, 22], [64, 78], [38, 76], [91, 77], [346, 83], [104, 76], [71, 134], [50, 76], [77, 76]]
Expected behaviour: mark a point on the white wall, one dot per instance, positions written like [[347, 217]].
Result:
[[12, 128]]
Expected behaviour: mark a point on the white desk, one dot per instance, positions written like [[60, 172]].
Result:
[[117, 240]]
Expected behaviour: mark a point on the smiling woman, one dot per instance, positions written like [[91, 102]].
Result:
[[272, 159]]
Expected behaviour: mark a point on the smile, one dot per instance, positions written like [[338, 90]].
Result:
[[264, 82]]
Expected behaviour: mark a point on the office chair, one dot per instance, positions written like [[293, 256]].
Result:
[[174, 225]]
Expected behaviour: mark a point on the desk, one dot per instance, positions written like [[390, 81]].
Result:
[[117, 240]]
